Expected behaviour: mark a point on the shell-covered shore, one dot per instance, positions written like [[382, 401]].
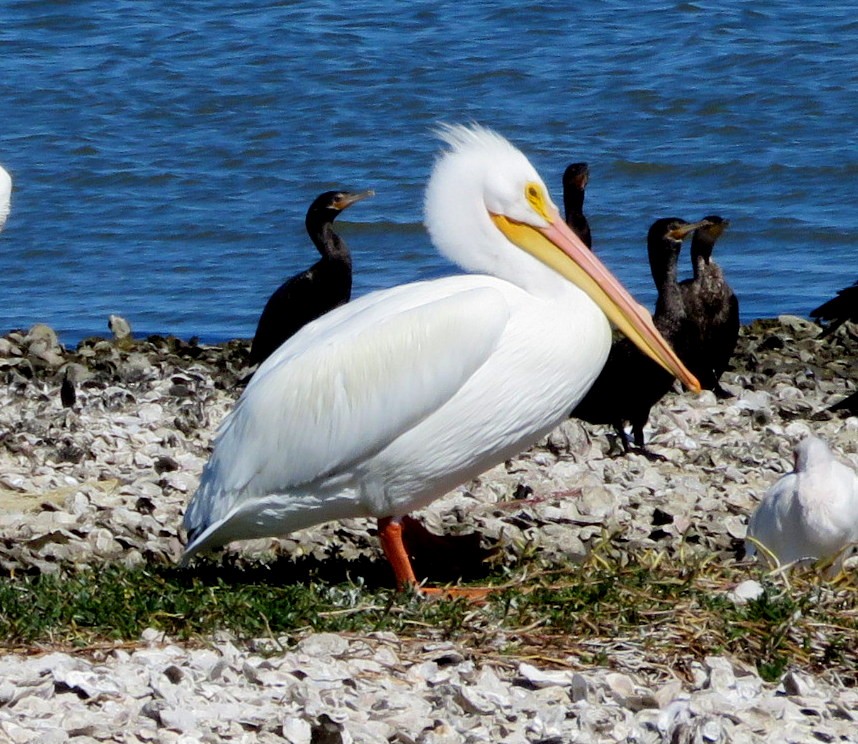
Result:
[[106, 478]]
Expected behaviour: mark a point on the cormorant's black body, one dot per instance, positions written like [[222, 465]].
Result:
[[575, 180], [849, 404], [631, 383], [310, 294], [838, 309], [712, 310]]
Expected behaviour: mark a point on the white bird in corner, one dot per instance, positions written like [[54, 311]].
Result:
[[385, 404], [810, 513], [5, 195]]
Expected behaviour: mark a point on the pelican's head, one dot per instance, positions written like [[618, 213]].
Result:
[[488, 210], [5, 196]]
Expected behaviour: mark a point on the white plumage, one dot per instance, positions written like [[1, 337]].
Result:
[[811, 512], [386, 403], [5, 196]]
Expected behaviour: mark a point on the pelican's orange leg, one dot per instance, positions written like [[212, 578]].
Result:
[[390, 534]]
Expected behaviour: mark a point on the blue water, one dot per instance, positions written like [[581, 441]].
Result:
[[164, 154]]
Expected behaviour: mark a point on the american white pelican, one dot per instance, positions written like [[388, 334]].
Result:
[[325, 285], [811, 512], [612, 400], [386, 403], [5, 195], [711, 309]]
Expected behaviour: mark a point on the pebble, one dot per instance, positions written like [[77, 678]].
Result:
[[746, 591], [109, 478]]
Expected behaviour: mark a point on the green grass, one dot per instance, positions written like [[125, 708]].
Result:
[[668, 610]]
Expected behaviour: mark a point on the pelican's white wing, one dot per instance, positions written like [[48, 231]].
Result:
[[327, 400]]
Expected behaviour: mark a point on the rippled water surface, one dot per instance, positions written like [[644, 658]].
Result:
[[164, 154]]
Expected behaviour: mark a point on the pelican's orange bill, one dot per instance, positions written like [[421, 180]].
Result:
[[559, 248]]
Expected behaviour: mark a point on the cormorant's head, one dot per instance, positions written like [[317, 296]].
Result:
[[327, 206], [706, 235], [576, 176]]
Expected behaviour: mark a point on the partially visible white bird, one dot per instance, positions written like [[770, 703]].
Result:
[[5, 195], [384, 404], [811, 512]]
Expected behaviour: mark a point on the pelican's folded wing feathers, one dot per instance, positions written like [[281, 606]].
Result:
[[316, 408]]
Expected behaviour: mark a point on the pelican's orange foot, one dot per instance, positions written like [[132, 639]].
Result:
[[476, 594], [390, 533]]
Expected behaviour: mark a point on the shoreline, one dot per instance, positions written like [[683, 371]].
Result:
[[108, 479], [70, 338]]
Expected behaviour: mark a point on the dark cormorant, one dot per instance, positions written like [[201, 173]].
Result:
[[630, 384], [711, 308], [310, 294], [848, 404], [574, 182], [838, 309]]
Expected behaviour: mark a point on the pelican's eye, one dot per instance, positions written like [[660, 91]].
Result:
[[536, 198]]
